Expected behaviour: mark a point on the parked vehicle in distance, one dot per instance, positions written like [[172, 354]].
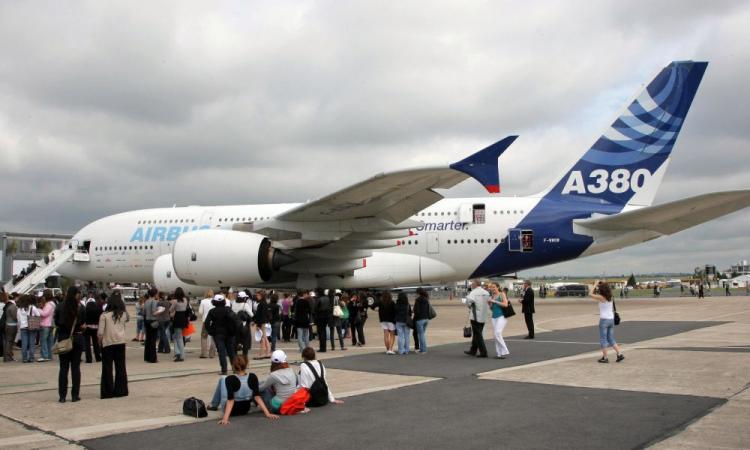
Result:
[[572, 290], [129, 294], [41, 287]]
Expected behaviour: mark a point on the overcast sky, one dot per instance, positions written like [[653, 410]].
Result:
[[112, 106]]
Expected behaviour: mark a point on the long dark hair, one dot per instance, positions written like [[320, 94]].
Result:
[[179, 295], [386, 298], [402, 299], [605, 291], [70, 307], [116, 306]]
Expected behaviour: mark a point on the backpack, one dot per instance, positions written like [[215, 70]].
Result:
[[194, 407], [244, 316], [319, 389]]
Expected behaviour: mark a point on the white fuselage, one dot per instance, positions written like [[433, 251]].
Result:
[[124, 247]]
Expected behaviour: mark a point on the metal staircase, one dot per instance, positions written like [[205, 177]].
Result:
[[43, 270]]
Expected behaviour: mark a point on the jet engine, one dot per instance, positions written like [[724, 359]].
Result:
[[223, 258], [166, 280]]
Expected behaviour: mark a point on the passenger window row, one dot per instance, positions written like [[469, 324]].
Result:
[[242, 219], [126, 247], [148, 222], [475, 241], [442, 213]]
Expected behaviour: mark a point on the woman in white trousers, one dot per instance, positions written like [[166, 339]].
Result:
[[498, 300]]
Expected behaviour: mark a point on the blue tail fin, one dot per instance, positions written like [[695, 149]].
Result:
[[626, 164]]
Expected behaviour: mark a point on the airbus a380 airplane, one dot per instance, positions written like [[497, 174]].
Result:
[[394, 229]]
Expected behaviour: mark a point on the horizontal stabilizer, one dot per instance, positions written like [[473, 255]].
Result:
[[670, 217], [482, 165]]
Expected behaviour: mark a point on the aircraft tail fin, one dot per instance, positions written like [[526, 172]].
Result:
[[627, 163]]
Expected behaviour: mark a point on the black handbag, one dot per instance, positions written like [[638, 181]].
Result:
[[194, 407], [617, 315], [508, 310], [467, 330]]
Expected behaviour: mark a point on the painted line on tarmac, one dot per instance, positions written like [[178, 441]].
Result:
[[162, 372], [25, 440], [489, 375], [744, 311], [551, 342], [390, 387], [8, 386], [105, 429]]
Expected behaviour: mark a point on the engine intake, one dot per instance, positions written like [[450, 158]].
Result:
[[223, 258]]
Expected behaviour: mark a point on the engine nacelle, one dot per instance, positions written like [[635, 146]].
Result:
[[166, 280], [223, 258]]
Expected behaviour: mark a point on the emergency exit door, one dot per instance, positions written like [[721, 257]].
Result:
[[433, 243]]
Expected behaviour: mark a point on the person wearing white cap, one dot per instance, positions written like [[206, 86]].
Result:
[[244, 311], [280, 384]]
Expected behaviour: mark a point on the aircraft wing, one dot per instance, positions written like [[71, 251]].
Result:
[[396, 196], [671, 217]]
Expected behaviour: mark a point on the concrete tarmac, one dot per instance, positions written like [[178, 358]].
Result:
[[683, 384]]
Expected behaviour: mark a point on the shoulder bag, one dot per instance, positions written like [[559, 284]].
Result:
[[66, 345], [431, 313], [617, 316], [35, 322], [508, 310]]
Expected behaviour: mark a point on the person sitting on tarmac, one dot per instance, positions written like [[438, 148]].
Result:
[[307, 377], [235, 393], [280, 384]]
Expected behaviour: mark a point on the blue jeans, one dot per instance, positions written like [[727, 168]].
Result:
[[421, 327], [179, 343], [164, 337], [220, 394], [403, 337], [607, 333], [303, 338], [28, 344], [139, 325], [46, 341], [271, 401]]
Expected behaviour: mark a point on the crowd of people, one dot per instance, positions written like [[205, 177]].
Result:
[[92, 328], [68, 326], [231, 321]]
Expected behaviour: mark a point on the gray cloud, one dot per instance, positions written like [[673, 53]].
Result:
[[106, 108]]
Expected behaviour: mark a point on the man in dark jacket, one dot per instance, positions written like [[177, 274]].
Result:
[[528, 308], [93, 311], [323, 311], [220, 325], [10, 313]]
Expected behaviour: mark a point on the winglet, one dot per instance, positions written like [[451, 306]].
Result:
[[482, 165]]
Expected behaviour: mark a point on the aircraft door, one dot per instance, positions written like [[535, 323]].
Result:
[[433, 243], [207, 218], [520, 240], [514, 240], [465, 213]]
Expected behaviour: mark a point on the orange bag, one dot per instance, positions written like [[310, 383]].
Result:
[[190, 329], [295, 403]]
